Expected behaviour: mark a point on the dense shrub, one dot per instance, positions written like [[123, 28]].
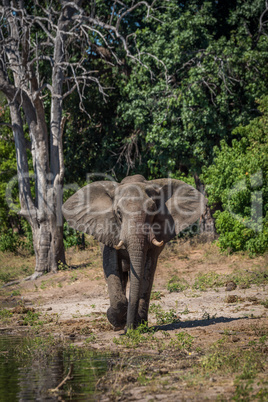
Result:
[[237, 183], [71, 237], [9, 241]]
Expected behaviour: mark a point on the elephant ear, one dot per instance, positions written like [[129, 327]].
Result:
[[90, 210], [180, 206]]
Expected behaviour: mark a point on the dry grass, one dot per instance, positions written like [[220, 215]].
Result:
[[14, 267]]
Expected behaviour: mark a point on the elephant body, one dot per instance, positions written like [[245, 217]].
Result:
[[133, 220]]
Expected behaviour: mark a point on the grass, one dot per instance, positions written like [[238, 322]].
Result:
[[37, 348], [211, 280], [163, 317], [91, 338], [134, 337], [265, 303], [185, 311], [208, 280], [32, 318], [13, 272], [176, 284], [156, 295], [14, 266], [182, 340], [223, 358], [207, 316], [257, 276], [243, 392], [25, 317], [5, 315], [166, 317], [183, 365], [16, 293]]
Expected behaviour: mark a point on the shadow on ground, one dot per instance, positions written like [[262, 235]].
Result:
[[197, 323]]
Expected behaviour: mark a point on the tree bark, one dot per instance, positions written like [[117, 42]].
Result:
[[44, 212]]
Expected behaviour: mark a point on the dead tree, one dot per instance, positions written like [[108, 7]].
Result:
[[36, 39]]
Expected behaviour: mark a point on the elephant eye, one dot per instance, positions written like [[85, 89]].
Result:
[[119, 215]]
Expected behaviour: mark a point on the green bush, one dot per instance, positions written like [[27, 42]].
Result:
[[176, 284], [237, 185], [9, 241], [28, 236], [71, 237]]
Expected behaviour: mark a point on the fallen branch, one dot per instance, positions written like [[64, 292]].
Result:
[[11, 283], [67, 378], [32, 277]]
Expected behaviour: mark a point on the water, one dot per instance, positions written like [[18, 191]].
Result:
[[29, 368]]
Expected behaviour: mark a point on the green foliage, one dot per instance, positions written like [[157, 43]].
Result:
[[247, 362], [156, 295], [27, 239], [5, 313], [176, 284], [134, 337], [237, 182], [71, 237], [16, 293], [32, 318], [212, 280], [209, 280], [7, 169], [210, 60], [243, 278], [243, 392], [246, 278], [161, 120], [154, 308], [9, 241], [166, 317], [90, 338], [183, 340], [5, 277]]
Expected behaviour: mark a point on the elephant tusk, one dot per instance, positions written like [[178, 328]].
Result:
[[119, 245], [157, 243]]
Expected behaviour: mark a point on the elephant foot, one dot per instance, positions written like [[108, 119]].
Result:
[[118, 316], [118, 328]]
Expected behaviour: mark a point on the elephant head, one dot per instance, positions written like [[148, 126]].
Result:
[[135, 217]]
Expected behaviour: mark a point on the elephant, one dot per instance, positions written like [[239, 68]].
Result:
[[133, 220]]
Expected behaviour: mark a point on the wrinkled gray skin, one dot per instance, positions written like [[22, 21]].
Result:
[[138, 217]]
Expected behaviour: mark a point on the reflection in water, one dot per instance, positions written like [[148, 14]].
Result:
[[28, 376]]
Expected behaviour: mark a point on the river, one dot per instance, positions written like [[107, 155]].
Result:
[[31, 367]]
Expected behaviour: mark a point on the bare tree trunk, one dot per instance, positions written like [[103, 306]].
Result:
[[49, 250], [207, 222], [44, 213]]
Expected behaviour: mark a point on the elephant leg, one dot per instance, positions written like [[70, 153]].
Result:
[[124, 266], [150, 267], [117, 312]]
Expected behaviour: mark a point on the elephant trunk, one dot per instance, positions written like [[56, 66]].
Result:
[[137, 254]]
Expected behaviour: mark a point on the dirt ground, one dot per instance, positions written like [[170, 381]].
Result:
[[208, 340]]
